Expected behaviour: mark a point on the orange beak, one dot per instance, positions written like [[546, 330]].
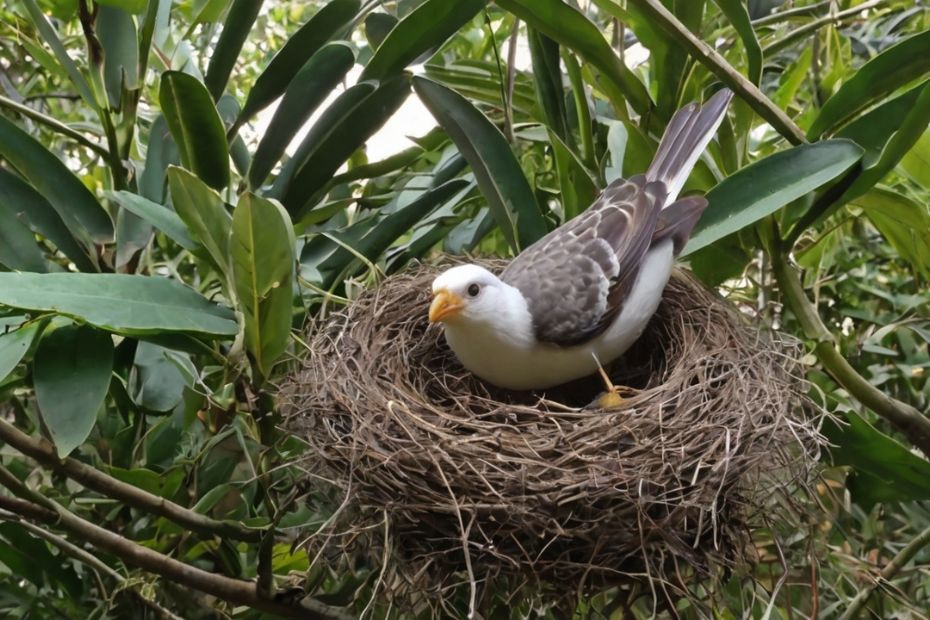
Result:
[[444, 304]]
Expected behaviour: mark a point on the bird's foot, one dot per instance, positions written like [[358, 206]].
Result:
[[614, 396]]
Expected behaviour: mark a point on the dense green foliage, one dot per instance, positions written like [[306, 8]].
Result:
[[159, 253]]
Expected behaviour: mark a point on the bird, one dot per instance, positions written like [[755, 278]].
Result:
[[581, 295]]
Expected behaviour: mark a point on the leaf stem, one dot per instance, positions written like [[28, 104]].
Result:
[[888, 572], [54, 124], [904, 417], [43, 452], [719, 66]]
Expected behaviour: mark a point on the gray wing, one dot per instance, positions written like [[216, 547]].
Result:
[[575, 278]]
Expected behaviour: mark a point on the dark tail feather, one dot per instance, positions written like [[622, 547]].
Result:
[[685, 138], [677, 220]]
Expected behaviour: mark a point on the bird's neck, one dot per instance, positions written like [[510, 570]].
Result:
[[510, 326]]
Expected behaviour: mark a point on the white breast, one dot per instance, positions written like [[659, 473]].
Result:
[[511, 357]]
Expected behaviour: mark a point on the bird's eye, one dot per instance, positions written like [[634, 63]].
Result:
[[473, 290]]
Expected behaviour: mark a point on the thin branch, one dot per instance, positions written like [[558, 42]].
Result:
[[719, 66], [235, 591], [891, 569], [810, 27], [54, 124], [43, 452], [904, 417], [795, 12], [82, 556]]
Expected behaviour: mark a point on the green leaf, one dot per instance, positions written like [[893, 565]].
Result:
[[15, 344], [377, 27], [900, 475], [131, 305], [570, 28], [577, 187], [550, 91], [117, 33], [341, 130], [130, 6], [236, 29], [29, 207], [75, 204], [196, 127], [768, 185], [72, 370], [893, 68], [326, 24], [155, 382], [64, 60], [18, 248], [313, 83], [157, 215], [424, 29], [204, 213], [872, 130], [133, 234], [263, 263], [160, 153], [905, 224], [499, 176], [738, 16], [916, 162]]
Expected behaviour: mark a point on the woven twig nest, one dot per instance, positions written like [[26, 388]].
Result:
[[447, 483]]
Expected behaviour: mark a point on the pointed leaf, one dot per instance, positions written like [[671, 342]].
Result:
[[893, 68], [72, 371], [326, 24], [132, 305], [738, 16], [377, 27], [768, 185], [157, 215], [14, 345], [904, 223], [117, 33], [236, 29], [160, 153], [577, 187], [422, 30], [204, 213], [499, 176], [550, 90], [196, 127], [263, 263], [315, 81], [76, 205]]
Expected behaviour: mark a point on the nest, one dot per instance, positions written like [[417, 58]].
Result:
[[444, 484]]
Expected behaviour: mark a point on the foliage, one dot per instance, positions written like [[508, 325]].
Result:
[[159, 251]]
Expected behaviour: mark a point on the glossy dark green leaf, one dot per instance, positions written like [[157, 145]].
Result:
[[424, 29], [313, 83], [738, 16], [377, 27], [236, 28], [117, 33], [893, 68], [71, 372], [550, 90], [196, 127], [71, 199], [576, 185], [29, 207], [561, 22], [132, 305], [157, 215], [14, 345], [497, 171], [897, 474], [326, 257], [872, 130], [204, 213], [18, 248], [338, 133], [326, 24], [263, 262], [769, 184]]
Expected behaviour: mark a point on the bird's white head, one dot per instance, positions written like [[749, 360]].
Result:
[[469, 294]]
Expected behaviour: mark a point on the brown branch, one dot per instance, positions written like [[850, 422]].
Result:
[[94, 479], [235, 591], [719, 66]]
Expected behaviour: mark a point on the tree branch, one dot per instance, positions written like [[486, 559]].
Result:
[[43, 452], [234, 591], [810, 27], [891, 569], [719, 66], [904, 417]]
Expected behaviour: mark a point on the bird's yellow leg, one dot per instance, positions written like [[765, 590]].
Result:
[[611, 399]]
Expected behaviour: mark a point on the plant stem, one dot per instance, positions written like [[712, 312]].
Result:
[[718, 65], [234, 591], [891, 569], [904, 417], [43, 452], [831, 18], [54, 124], [795, 12]]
